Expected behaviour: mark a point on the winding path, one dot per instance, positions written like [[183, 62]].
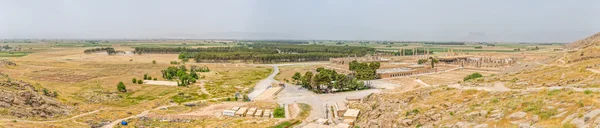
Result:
[[53, 121], [202, 89], [593, 70]]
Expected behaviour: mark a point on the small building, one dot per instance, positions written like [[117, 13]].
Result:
[[258, 113], [251, 112], [351, 114], [235, 108], [228, 112], [267, 113], [340, 108], [241, 112]]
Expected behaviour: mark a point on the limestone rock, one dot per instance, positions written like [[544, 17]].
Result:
[[535, 119], [590, 115], [517, 115]]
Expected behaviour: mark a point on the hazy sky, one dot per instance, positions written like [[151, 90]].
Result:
[[430, 20]]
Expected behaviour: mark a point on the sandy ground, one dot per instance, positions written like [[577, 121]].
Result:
[[383, 84], [167, 83]]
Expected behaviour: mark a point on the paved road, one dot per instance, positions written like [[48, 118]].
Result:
[[296, 94], [265, 83], [262, 85]]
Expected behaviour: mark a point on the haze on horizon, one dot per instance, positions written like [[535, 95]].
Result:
[[423, 20]]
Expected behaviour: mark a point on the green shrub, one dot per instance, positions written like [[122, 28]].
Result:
[[140, 82], [279, 112], [553, 92], [153, 61], [155, 79], [246, 98], [121, 87], [133, 80], [587, 92], [46, 92], [473, 76], [495, 100]]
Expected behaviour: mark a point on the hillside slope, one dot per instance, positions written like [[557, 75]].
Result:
[[593, 40], [547, 95], [588, 48], [21, 99]]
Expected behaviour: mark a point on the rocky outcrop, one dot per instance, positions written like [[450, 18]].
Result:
[[5, 62], [517, 115], [21, 100]]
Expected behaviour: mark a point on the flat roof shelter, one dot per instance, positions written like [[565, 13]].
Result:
[[228, 112], [268, 94], [258, 113], [251, 112], [351, 114], [241, 112], [267, 113], [340, 108]]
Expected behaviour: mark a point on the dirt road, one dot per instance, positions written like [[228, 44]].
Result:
[[53, 121]]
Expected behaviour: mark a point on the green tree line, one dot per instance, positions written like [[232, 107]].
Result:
[[327, 80], [108, 50], [365, 70], [261, 53], [180, 74]]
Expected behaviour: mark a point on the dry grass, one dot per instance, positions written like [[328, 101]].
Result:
[[286, 72], [545, 104], [229, 122], [88, 81]]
